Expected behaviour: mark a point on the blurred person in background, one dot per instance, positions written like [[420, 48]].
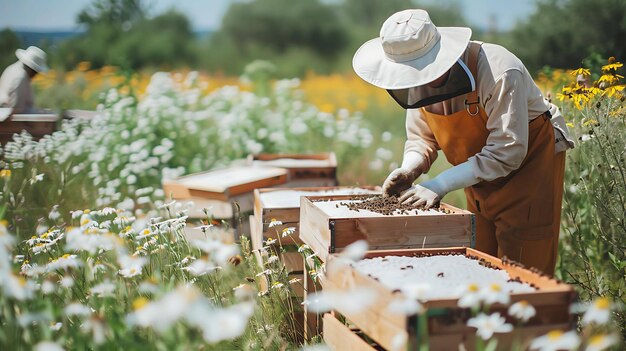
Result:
[[16, 92], [478, 104]]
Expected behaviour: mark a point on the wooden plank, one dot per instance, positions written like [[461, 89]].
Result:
[[339, 337], [424, 231], [33, 128], [314, 230], [293, 261]]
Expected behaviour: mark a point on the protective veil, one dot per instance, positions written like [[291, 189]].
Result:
[[460, 81]]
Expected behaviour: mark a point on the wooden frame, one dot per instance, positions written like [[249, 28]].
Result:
[[326, 232], [289, 215], [446, 323], [339, 337], [328, 170], [35, 124]]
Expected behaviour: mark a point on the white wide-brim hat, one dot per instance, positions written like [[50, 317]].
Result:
[[410, 51], [33, 57]]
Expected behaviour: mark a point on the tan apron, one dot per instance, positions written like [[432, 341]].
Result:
[[517, 216]]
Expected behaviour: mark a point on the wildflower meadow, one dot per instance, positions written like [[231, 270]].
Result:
[[94, 255]]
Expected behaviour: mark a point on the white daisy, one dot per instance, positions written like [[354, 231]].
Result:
[[522, 311], [275, 223], [64, 262], [598, 312], [494, 294], [470, 296], [556, 340], [288, 231], [131, 266], [601, 342], [487, 325]]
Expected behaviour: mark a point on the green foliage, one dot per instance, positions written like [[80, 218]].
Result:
[[119, 33], [372, 13], [9, 42], [561, 33], [593, 253], [114, 13], [299, 36]]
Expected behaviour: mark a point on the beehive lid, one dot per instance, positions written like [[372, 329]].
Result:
[[298, 161], [290, 198], [224, 183], [33, 117]]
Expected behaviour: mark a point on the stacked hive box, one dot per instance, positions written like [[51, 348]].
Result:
[[330, 223], [444, 323], [36, 125], [224, 193], [228, 193], [305, 170], [283, 205], [327, 226]]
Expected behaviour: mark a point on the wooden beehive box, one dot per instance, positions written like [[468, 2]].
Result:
[[283, 204], [445, 322], [328, 227], [291, 258], [338, 336], [305, 170], [220, 189], [36, 124], [226, 193]]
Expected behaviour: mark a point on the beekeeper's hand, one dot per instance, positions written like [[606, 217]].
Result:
[[420, 196], [429, 193], [400, 179]]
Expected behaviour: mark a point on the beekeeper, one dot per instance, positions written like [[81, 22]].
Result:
[[16, 91], [478, 104]]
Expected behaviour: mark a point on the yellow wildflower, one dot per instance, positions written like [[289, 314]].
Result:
[[580, 71], [610, 79], [613, 65], [590, 122], [140, 303], [613, 90], [5, 173]]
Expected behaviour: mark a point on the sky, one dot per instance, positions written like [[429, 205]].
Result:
[[47, 15]]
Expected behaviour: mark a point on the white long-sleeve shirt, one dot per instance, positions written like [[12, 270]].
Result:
[[15, 89], [510, 98]]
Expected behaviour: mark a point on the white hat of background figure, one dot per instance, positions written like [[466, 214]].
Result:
[[33, 57], [411, 51]]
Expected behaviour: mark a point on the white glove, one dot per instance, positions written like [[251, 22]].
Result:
[[402, 178], [430, 192]]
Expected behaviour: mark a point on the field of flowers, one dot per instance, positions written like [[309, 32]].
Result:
[[93, 254]]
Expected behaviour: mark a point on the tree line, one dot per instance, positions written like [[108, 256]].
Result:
[[304, 35]]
